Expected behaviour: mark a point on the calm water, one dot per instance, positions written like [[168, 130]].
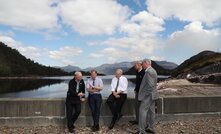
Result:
[[50, 87]]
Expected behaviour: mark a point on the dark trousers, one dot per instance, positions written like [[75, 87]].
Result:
[[73, 110], [94, 101], [137, 106], [116, 104]]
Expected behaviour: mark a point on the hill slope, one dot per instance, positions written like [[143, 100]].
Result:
[[167, 65], [197, 62], [160, 70], [204, 67], [12, 63]]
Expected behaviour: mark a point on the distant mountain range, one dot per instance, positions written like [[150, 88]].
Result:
[[160, 70], [111, 68], [125, 66], [70, 68]]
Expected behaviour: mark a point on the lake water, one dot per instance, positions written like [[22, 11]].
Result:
[[51, 87]]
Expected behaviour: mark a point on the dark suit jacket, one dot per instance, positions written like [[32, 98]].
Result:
[[139, 77], [72, 94]]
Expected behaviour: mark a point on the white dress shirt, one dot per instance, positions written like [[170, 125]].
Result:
[[123, 83], [98, 83]]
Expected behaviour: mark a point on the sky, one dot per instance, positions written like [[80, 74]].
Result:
[[88, 33]]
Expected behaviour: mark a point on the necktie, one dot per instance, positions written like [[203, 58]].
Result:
[[93, 82], [117, 84]]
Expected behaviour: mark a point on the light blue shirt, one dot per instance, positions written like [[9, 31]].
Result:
[[97, 83]]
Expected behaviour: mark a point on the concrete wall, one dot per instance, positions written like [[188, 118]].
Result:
[[23, 112], [177, 105]]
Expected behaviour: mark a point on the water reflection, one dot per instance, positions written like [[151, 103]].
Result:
[[17, 85], [51, 87]]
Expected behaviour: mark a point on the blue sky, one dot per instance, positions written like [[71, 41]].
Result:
[[88, 33]]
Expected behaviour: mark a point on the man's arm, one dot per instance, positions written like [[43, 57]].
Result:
[[123, 86], [82, 90], [89, 87], [71, 87], [100, 86]]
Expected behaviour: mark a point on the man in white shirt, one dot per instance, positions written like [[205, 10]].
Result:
[[119, 94], [94, 86]]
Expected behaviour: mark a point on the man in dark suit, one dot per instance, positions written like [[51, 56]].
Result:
[[139, 76], [75, 95], [147, 95]]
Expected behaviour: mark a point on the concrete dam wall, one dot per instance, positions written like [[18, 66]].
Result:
[[42, 112]]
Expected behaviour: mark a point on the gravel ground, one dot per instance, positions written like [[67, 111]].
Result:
[[182, 87], [197, 126]]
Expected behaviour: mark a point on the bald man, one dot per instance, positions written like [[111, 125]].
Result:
[[119, 94], [75, 94]]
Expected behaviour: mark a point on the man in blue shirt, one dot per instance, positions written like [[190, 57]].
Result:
[[94, 86]]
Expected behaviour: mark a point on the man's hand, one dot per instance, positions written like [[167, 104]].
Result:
[[116, 95], [80, 94], [91, 89], [82, 99]]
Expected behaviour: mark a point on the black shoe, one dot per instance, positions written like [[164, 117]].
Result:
[[134, 122], [112, 125], [150, 131], [96, 128], [71, 130], [119, 117], [93, 127]]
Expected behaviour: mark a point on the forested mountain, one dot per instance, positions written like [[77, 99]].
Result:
[[12, 63]]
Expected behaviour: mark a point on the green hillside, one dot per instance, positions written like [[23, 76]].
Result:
[[198, 61], [12, 63]]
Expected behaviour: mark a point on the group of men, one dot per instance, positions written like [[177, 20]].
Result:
[[145, 96]]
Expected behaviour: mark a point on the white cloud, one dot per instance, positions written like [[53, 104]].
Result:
[[157, 58], [140, 39], [143, 24], [28, 14], [196, 38], [65, 54], [205, 11], [95, 55], [93, 16], [28, 51]]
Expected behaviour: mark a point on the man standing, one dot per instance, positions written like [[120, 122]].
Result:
[[147, 95], [139, 76], [119, 94], [94, 86], [75, 95]]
